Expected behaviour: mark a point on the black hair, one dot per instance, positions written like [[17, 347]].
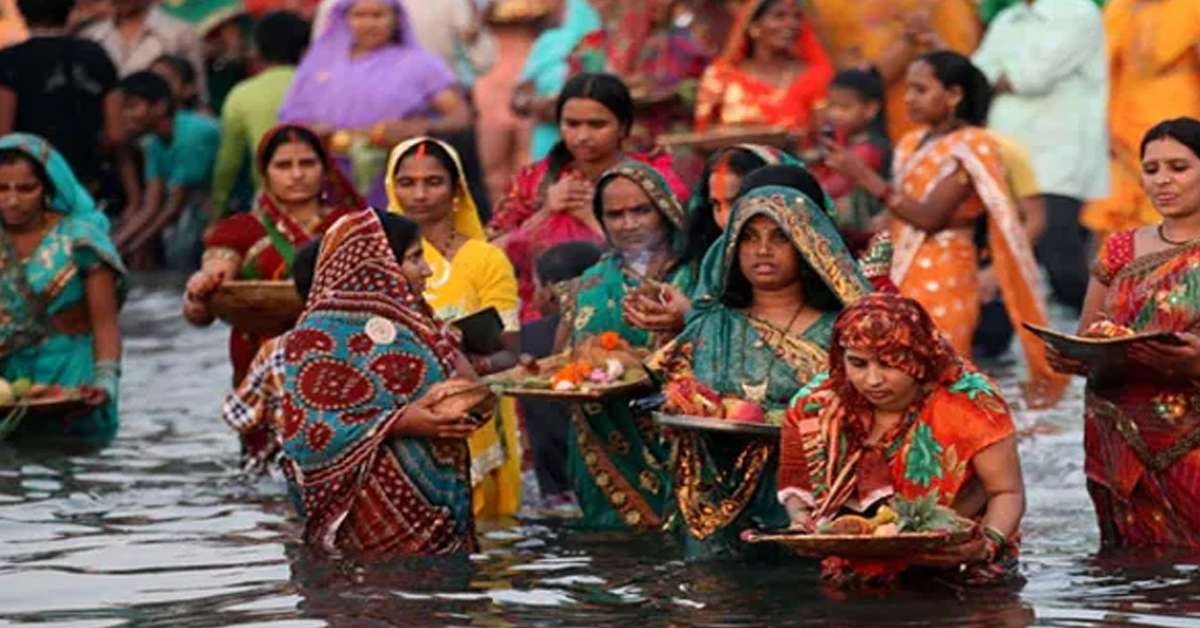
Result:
[[702, 229], [281, 37], [401, 232], [758, 14], [763, 8], [867, 85], [180, 65], [739, 294], [1185, 130], [955, 70], [794, 177], [10, 156], [435, 150], [566, 261], [147, 86], [605, 89], [292, 133], [52, 13], [304, 267]]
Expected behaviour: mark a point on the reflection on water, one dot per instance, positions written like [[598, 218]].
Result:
[[160, 529]]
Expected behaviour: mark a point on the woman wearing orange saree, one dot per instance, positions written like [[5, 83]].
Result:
[[890, 34], [901, 416], [773, 71], [1142, 430], [949, 177], [1154, 74]]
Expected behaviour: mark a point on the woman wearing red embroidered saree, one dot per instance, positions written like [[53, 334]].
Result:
[[773, 71], [1142, 432], [303, 195], [901, 415], [949, 176], [551, 201]]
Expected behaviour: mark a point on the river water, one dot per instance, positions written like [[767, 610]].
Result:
[[160, 529]]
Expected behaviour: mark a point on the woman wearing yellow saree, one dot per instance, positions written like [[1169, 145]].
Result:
[[426, 182]]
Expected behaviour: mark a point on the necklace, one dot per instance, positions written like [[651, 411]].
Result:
[[1162, 235], [758, 392], [446, 246]]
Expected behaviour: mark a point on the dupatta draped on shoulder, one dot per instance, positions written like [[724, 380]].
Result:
[[366, 347], [919, 170]]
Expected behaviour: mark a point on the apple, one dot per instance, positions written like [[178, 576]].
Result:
[[743, 411]]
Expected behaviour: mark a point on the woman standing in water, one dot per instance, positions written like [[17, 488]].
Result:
[[62, 288], [371, 467], [770, 290], [551, 201], [949, 176], [426, 182], [1142, 431], [303, 195], [901, 415], [615, 458]]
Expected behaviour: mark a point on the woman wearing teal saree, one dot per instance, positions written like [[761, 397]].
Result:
[[615, 460], [771, 288], [61, 285]]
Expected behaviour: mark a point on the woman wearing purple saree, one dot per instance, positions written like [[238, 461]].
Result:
[[367, 84]]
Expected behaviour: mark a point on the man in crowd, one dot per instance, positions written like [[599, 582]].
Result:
[[252, 108], [139, 32], [60, 88], [1046, 61], [179, 148]]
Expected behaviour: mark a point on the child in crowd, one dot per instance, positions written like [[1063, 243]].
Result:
[[854, 120], [178, 148], [546, 421]]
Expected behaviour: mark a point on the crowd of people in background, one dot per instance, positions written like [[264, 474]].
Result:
[[931, 165]]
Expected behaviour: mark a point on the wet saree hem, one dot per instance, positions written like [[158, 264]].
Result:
[[632, 507]]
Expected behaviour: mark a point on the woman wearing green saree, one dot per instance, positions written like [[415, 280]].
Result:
[[61, 285], [615, 460], [771, 288]]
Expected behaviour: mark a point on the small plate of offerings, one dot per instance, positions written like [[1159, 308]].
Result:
[[900, 529], [1105, 347], [690, 405], [266, 308], [21, 400], [596, 368]]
